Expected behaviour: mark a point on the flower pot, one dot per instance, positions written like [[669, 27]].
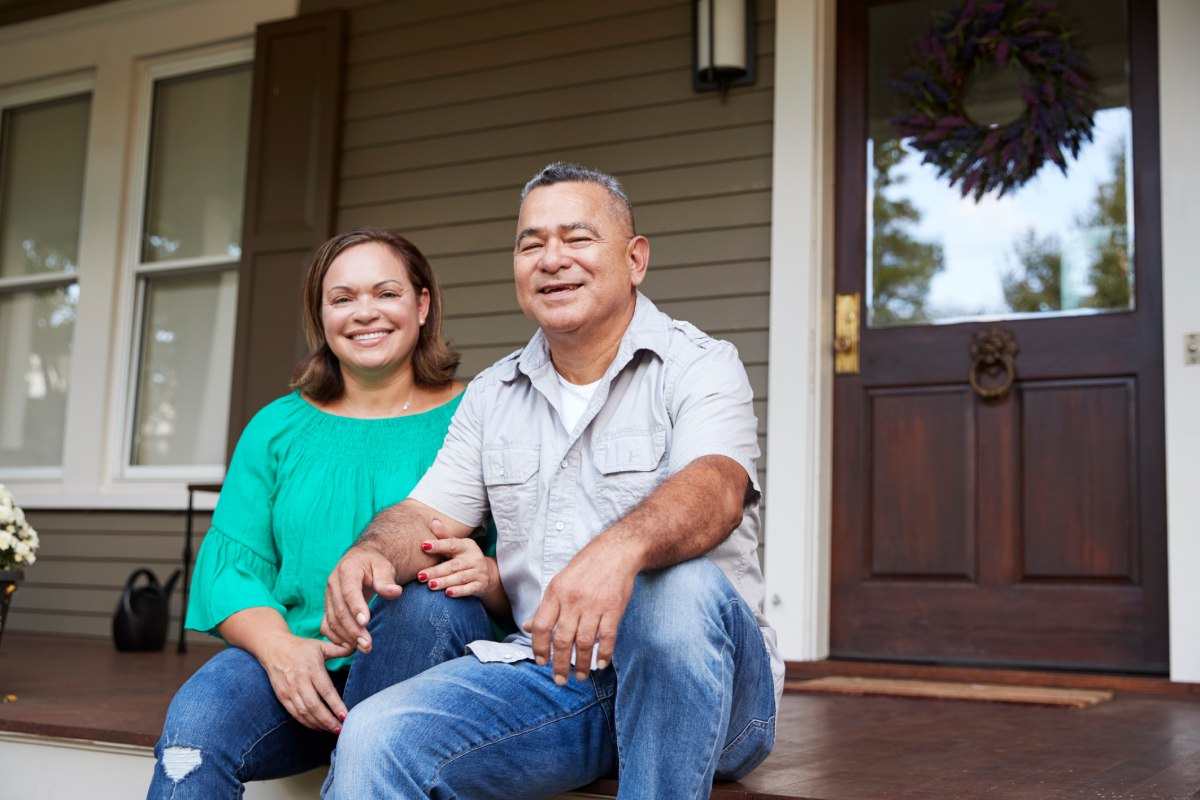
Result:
[[9, 578]]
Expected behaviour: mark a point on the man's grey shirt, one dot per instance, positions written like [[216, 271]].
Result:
[[671, 395]]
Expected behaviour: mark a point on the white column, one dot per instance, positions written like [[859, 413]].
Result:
[[800, 372], [1179, 116]]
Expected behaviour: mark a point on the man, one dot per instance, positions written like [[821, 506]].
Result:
[[616, 453]]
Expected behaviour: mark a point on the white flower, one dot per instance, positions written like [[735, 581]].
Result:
[[18, 540]]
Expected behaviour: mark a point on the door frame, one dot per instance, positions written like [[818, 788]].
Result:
[[800, 371]]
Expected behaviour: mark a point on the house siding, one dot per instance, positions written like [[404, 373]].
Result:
[[84, 560]]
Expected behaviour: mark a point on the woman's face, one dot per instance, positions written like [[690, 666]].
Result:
[[371, 313]]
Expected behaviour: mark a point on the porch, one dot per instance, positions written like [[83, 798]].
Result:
[[83, 710]]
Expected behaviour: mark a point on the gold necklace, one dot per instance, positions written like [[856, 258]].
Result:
[[357, 412]]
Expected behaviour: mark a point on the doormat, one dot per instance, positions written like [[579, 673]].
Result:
[[945, 690]]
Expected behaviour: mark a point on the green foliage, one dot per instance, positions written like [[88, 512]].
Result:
[[902, 265], [1038, 285], [1110, 274]]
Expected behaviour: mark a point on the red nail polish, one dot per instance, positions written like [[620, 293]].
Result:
[[339, 730], [433, 584], [449, 593], [426, 545], [422, 577], [342, 716]]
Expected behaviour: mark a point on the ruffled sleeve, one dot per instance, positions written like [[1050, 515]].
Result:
[[238, 563]]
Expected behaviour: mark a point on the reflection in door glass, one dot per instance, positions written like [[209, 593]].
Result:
[[1057, 241]]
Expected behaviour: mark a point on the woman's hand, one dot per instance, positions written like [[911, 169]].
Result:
[[464, 571], [294, 665]]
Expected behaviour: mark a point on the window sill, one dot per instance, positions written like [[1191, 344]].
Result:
[[172, 496]]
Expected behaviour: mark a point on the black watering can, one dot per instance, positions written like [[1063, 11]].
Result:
[[140, 622]]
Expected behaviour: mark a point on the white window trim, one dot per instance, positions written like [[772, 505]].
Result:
[[106, 44], [132, 307], [32, 93]]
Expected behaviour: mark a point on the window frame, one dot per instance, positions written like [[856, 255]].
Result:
[[28, 94], [136, 271], [110, 45]]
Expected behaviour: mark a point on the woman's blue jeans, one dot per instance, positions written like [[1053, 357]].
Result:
[[689, 697], [225, 725]]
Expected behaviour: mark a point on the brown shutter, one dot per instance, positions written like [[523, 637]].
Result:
[[291, 175]]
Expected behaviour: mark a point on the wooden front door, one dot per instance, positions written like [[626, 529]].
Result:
[[1025, 528]]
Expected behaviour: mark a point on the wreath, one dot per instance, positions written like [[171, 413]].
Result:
[[1055, 87]]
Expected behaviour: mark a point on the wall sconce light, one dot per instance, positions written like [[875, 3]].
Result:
[[723, 45]]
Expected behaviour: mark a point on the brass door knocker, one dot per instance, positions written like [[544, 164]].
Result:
[[993, 351]]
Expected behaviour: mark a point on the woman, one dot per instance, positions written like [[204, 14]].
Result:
[[374, 399]]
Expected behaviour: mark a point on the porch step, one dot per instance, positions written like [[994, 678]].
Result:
[[66, 769]]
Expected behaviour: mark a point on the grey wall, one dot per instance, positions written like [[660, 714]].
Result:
[[84, 560]]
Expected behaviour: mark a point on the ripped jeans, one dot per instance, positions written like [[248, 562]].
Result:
[[225, 725]]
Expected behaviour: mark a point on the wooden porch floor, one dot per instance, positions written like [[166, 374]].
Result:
[[1143, 745]]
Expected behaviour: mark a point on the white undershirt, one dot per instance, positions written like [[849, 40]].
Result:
[[573, 400]]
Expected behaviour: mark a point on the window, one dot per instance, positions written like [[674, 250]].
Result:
[[43, 149], [186, 266], [123, 139]]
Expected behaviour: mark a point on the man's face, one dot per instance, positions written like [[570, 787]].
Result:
[[576, 261]]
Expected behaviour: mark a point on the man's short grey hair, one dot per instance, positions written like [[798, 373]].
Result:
[[566, 172]]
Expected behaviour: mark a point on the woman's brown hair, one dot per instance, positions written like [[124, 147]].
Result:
[[319, 375]]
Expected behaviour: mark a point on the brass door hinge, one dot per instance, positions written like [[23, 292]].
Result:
[[846, 325]]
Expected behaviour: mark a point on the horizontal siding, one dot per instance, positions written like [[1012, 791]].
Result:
[[84, 560]]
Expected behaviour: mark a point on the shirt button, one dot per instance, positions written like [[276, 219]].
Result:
[[558, 526], [501, 470], [564, 464]]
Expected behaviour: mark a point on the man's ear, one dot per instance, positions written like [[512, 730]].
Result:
[[637, 255]]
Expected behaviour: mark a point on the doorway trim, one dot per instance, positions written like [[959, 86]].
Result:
[[800, 370]]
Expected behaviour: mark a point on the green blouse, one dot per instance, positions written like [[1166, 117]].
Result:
[[301, 487]]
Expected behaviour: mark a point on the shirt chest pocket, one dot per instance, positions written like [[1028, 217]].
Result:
[[510, 474], [630, 465]]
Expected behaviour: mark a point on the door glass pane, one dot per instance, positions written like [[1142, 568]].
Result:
[[186, 364], [35, 360], [42, 152], [943, 114], [198, 140]]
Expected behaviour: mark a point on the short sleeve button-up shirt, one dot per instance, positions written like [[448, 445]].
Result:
[[671, 395]]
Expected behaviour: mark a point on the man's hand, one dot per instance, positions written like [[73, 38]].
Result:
[[362, 573], [583, 605], [296, 668], [688, 515]]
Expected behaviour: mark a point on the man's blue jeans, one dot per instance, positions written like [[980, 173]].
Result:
[[689, 696], [225, 725]]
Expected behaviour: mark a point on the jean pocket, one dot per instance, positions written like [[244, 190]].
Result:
[[510, 474]]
